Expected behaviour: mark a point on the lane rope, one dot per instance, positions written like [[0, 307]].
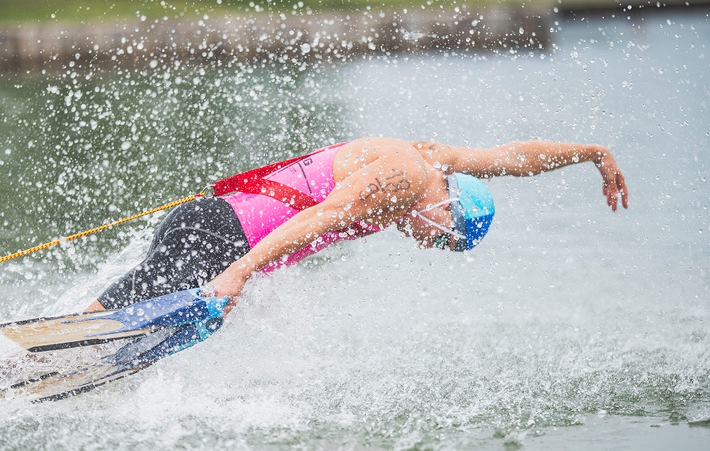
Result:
[[99, 228]]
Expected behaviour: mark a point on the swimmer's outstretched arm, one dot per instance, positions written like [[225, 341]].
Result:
[[522, 159]]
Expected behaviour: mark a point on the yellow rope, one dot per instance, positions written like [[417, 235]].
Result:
[[99, 228]]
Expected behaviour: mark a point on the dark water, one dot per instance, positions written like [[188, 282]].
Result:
[[570, 327]]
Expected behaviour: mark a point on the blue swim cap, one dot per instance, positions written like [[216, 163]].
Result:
[[473, 213]]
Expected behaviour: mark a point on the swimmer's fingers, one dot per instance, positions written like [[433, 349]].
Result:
[[621, 185], [609, 186], [616, 188], [612, 191], [614, 185], [612, 195], [211, 290]]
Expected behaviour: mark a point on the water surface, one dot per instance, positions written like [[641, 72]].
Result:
[[569, 327]]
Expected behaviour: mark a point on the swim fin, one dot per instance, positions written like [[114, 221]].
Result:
[[175, 309], [88, 353]]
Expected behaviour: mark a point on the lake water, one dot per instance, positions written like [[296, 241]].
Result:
[[570, 327]]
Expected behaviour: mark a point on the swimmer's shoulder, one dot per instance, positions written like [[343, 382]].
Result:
[[359, 153]]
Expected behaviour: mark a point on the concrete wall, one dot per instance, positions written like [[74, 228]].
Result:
[[331, 36]]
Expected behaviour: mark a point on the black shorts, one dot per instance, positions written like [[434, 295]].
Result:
[[196, 242]]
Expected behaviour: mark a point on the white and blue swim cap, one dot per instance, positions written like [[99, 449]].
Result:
[[472, 209]]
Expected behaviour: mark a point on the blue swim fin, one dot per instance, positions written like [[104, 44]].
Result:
[[170, 310], [166, 325]]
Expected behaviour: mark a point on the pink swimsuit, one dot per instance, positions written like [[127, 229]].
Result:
[[260, 214]]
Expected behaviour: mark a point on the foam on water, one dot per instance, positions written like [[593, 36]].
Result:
[[397, 348]]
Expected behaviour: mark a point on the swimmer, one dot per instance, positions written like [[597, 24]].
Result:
[[431, 192]]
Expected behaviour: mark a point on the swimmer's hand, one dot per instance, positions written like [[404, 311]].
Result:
[[614, 183], [230, 284]]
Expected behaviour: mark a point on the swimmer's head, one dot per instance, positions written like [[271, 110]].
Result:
[[472, 211]]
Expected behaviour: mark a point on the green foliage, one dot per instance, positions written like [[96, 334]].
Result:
[[102, 10]]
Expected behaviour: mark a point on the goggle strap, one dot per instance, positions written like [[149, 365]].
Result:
[[441, 227], [438, 204]]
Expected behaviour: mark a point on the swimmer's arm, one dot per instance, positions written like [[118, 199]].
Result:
[[518, 159], [379, 193], [522, 159]]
